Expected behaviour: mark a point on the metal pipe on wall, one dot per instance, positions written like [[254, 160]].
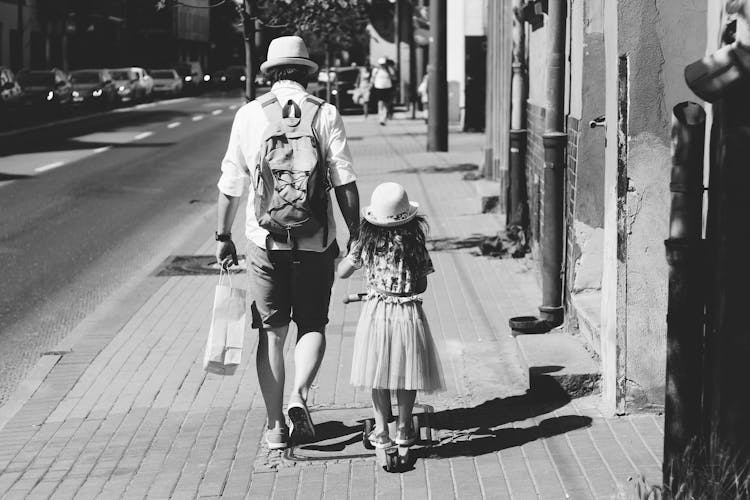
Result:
[[555, 141], [686, 304], [517, 210]]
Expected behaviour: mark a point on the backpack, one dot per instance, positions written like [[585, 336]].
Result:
[[291, 189]]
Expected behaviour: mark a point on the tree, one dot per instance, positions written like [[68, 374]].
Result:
[[328, 26]]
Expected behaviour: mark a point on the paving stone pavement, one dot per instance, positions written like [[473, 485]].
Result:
[[129, 412]]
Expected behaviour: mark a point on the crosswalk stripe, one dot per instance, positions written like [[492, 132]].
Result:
[[142, 135]]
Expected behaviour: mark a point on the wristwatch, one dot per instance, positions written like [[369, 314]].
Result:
[[223, 236]]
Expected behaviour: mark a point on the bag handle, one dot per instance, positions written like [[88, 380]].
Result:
[[224, 276]]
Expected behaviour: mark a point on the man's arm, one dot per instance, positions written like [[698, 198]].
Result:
[[226, 252], [347, 197]]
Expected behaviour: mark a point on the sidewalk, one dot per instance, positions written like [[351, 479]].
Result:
[[124, 408]]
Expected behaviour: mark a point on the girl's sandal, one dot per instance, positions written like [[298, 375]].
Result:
[[380, 440], [405, 436]]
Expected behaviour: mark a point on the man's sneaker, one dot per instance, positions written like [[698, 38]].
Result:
[[380, 439], [405, 436], [302, 428], [277, 438]]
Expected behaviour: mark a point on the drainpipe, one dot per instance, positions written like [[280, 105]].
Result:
[[555, 140], [686, 304], [517, 213]]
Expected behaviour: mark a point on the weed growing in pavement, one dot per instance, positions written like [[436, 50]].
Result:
[[715, 472]]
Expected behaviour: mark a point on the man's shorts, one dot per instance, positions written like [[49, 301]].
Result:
[[281, 291]]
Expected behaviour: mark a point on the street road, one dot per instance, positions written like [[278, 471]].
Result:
[[81, 215]]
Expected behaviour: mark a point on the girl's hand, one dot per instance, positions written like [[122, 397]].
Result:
[[346, 268]]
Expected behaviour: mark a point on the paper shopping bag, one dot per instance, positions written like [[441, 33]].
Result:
[[224, 344]]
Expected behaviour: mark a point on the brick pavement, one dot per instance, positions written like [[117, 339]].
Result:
[[129, 412]]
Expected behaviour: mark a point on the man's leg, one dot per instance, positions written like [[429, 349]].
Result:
[[270, 367], [308, 354]]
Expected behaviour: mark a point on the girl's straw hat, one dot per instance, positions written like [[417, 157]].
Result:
[[390, 206], [288, 51]]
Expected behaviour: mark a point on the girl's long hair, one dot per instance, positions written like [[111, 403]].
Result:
[[408, 240]]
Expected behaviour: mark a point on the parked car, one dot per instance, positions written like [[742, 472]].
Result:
[[343, 82], [166, 82], [93, 87], [192, 76], [133, 84], [46, 89], [236, 76], [261, 80], [10, 90]]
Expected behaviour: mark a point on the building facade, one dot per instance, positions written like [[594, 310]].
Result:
[[624, 71]]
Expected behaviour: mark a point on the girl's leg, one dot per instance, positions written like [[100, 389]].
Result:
[[405, 406], [381, 402]]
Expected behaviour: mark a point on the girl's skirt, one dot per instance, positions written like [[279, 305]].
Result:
[[393, 347]]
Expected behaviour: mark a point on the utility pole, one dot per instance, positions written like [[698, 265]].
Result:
[[249, 12], [397, 43], [19, 34], [437, 94]]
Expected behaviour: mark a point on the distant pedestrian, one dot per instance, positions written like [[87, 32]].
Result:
[[422, 92], [290, 148], [393, 346], [382, 88], [362, 89]]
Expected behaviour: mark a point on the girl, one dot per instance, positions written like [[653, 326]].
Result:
[[393, 347]]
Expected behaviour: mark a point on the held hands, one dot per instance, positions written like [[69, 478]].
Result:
[[226, 254]]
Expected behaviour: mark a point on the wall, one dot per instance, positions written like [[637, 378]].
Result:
[[586, 216], [656, 39]]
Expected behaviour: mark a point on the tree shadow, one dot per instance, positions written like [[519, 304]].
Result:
[[448, 244], [458, 167], [13, 177], [58, 138]]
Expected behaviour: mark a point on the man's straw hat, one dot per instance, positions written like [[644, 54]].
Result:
[[288, 51]]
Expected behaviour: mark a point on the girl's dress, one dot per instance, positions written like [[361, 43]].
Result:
[[393, 346]]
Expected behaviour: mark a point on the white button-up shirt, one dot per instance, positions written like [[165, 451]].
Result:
[[238, 165]]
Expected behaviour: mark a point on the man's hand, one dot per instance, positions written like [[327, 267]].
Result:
[[226, 254]]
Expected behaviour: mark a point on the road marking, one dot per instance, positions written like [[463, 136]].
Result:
[[142, 135], [173, 125], [145, 105], [49, 166], [102, 149], [233, 107], [216, 112], [197, 118]]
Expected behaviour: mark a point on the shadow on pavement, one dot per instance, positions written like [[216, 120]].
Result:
[[458, 167], [447, 244], [57, 138], [476, 431], [13, 177]]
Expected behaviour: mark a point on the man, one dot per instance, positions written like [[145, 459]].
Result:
[[289, 278]]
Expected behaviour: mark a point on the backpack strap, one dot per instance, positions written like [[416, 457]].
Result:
[[271, 107], [311, 106]]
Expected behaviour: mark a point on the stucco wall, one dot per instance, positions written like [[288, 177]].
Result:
[[658, 38]]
